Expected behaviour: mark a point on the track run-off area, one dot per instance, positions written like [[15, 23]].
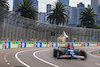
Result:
[[43, 57]]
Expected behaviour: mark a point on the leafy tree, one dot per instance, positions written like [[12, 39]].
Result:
[[88, 18], [58, 14], [4, 4], [27, 10]]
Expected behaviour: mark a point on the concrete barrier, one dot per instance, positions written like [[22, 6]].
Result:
[[45, 44], [61, 44], [77, 44], [1, 44], [86, 44], [38, 44], [23, 45], [17, 44], [93, 44], [54, 44], [29, 44], [7, 44], [14, 44]]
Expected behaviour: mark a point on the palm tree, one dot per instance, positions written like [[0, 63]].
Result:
[[87, 18], [4, 4], [27, 10], [58, 14]]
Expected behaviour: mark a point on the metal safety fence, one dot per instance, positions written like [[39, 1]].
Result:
[[17, 28]]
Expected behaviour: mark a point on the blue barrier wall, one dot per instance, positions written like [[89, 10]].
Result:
[[7, 44], [38, 44], [23, 44]]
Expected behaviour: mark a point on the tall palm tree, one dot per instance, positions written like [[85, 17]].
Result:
[[4, 4], [58, 14], [88, 18], [27, 10]]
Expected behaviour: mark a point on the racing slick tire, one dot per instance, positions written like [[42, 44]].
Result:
[[83, 53], [55, 53], [69, 58], [59, 53]]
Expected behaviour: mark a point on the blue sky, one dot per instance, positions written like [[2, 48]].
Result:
[[42, 3]]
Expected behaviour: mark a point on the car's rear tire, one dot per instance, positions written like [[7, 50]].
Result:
[[55, 53]]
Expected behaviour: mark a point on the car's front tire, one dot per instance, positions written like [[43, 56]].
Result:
[[83, 53], [54, 53]]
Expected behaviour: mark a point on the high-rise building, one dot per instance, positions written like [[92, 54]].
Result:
[[66, 2], [16, 4], [73, 15], [79, 10], [48, 11], [89, 6], [95, 4], [80, 4], [42, 17]]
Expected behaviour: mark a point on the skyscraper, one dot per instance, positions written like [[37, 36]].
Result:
[[16, 3], [79, 10], [73, 15], [48, 11], [66, 2], [80, 4], [95, 4], [89, 6], [42, 17]]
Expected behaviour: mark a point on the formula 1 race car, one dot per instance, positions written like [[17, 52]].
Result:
[[69, 52]]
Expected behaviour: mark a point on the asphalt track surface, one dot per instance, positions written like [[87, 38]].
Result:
[[43, 57]]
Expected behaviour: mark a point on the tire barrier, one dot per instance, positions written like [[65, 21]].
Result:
[[18, 44]]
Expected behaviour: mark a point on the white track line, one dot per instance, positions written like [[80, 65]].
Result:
[[34, 54], [16, 55], [5, 56], [89, 52], [97, 63]]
